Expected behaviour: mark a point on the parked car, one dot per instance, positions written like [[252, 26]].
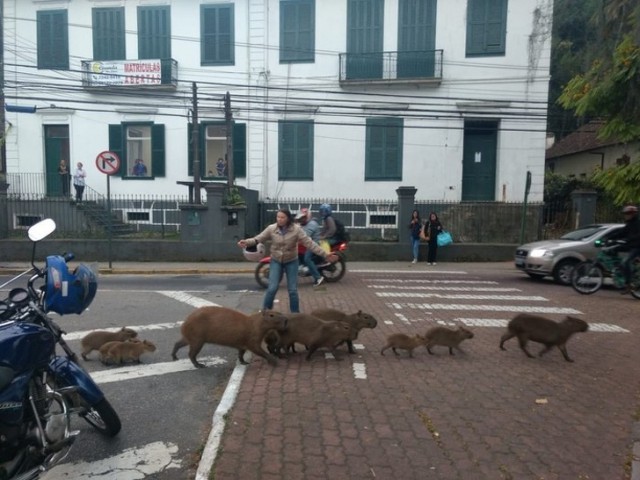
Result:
[[556, 258]]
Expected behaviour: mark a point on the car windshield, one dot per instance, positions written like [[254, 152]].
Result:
[[583, 233]]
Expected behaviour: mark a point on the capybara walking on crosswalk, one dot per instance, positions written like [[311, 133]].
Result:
[[447, 337], [538, 329], [403, 342]]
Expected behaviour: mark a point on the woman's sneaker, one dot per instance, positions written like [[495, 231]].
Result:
[[318, 282]]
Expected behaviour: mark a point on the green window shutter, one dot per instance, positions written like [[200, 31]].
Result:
[[486, 27], [416, 38], [53, 39], [217, 35], [297, 31], [158, 150], [154, 32], [116, 145], [239, 150], [108, 34], [295, 152], [365, 19], [383, 155]]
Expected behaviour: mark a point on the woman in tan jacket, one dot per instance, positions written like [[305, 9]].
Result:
[[284, 236]]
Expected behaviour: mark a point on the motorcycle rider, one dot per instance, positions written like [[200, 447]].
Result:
[[328, 230], [311, 228], [631, 233]]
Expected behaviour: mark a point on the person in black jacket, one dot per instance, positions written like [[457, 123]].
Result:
[[415, 225], [631, 233], [430, 231]]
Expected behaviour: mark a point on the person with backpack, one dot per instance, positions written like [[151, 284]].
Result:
[[430, 231], [328, 230]]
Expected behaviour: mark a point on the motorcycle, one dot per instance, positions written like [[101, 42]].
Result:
[[332, 272], [40, 390]]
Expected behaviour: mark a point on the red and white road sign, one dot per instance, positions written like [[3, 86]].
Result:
[[108, 162]]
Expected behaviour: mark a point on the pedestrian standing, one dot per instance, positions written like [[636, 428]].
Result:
[[431, 230], [65, 177], [79, 176], [284, 236], [415, 225]]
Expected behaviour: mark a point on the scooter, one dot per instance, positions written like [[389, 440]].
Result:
[[332, 272], [40, 390]]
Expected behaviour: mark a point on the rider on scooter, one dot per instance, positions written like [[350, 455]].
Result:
[[311, 228], [328, 224], [630, 233]]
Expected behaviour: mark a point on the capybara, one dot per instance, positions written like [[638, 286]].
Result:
[[228, 327], [105, 348], [357, 321], [314, 333], [527, 327], [122, 352], [94, 340], [403, 342], [446, 337]]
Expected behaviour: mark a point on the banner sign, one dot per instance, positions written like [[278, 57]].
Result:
[[124, 72]]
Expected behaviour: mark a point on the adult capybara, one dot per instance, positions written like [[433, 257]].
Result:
[[403, 342], [123, 352], [94, 340], [527, 327], [446, 337], [314, 333], [228, 327], [357, 321]]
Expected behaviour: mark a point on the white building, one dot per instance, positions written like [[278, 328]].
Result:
[[330, 98]]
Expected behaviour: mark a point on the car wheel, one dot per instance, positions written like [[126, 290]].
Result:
[[562, 272], [536, 276]]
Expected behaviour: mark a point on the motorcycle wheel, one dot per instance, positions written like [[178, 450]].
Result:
[[334, 272], [262, 274], [103, 418], [587, 278]]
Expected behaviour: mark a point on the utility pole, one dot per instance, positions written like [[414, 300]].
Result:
[[228, 116], [3, 133], [195, 130]]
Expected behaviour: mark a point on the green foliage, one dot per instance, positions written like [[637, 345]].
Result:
[[621, 183], [558, 188]]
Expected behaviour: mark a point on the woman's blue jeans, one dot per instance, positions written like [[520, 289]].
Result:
[[276, 270], [415, 246]]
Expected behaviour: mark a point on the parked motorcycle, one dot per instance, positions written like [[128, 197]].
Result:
[[40, 390], [332, 272]]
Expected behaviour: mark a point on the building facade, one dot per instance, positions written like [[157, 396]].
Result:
[[326, 99]]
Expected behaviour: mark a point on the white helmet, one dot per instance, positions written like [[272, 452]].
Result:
[[254, 254]]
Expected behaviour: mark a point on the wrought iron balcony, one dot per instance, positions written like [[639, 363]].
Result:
[[424, 67], [158, 74]]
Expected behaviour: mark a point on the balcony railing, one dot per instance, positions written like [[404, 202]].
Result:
[[122, 74], [391, 67]]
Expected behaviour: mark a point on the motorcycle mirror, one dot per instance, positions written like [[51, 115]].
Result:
[[41, 230]]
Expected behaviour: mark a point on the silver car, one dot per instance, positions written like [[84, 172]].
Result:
[[557, 258]]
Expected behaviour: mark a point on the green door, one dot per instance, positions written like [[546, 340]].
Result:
[[56, 148], [479, 161], [416, 38], [364, 39]]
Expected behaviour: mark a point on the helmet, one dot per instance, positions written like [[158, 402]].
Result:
[[68, 292], [325, 209], [303, 213], [630, 209], [255, 253]]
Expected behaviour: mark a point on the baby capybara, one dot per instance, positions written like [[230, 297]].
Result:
[[403, 342], [447, 337], [527, 327], [357, 321], [94, 340], [314, 333], [123, 352], [228, 327]]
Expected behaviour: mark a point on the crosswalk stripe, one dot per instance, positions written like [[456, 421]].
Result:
[[419, 272], [502, 323], [138, 328], [449, 289], [531, 298], [483, 308]]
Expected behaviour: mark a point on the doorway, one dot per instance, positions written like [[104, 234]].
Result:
[[479, 161], [56, 148]]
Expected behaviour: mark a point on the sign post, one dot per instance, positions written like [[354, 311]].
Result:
[[109, 164]]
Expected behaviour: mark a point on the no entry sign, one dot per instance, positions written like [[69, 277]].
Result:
[[108, 162]]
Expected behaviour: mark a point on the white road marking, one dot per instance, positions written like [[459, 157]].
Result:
[[483, 308], [138, 328], [360, 371], [420, 272], [358, 346], [434, 282], [329, 356], [188, 299], [402, 318], [131, 464], [450, 289], [130, 372], [531, 298]]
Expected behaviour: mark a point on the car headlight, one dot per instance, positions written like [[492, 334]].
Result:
[[541, 252]]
